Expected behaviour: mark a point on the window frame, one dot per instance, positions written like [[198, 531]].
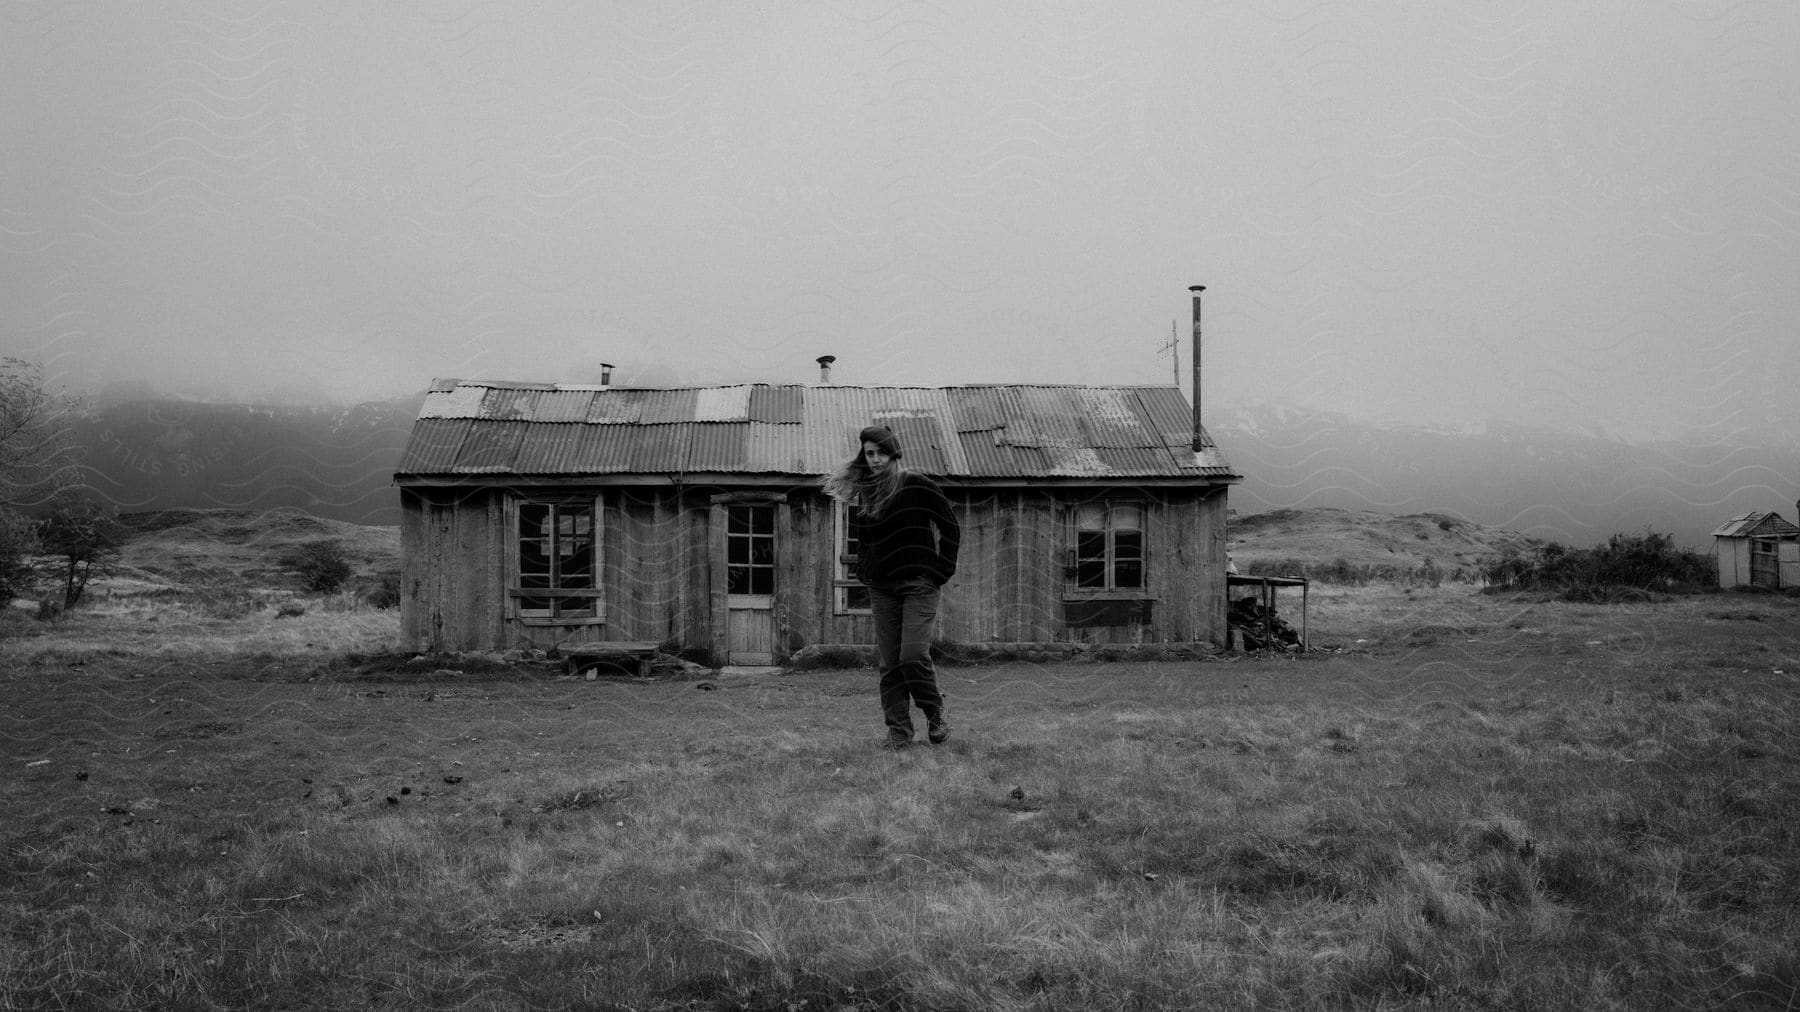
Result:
[[569, 605], [1110, 556], [846, 588], [750, 538]]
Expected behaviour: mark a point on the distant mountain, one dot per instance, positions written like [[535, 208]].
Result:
[[1555, 486], [338, 463]]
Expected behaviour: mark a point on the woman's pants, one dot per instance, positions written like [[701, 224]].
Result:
[[905, 619]]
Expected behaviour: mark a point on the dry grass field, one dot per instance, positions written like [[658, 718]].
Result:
[[1461, 800]]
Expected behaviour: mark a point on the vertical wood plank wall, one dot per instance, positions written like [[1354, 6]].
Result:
[[415, 572], [452, 590], [658, 546]]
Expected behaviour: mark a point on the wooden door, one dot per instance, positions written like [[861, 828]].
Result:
[[1764, 569], [750, 582]]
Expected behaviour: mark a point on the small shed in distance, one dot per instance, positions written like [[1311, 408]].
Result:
[[1758, 549]]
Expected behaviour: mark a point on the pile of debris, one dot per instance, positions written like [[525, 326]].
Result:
[[1259, 627]]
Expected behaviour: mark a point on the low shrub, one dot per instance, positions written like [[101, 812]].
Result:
[[1343, 572], [382, 591], [321, 566], [224, 603], [1625, 568]]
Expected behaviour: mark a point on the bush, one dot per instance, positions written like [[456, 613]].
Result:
[[1645, 562], [1343, 572], [86, 535], [382, 591], [18, 539], [321, 566]]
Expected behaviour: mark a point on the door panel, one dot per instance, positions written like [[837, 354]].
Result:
[[750, 583]]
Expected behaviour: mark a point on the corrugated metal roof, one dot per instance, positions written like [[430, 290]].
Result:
[[722, 404], [989, 431], [491, 447], [564, 405], [777, 449], [718, 446], [433, 444], [778, 405], [665, 407], [1757, 523], [510, 404]]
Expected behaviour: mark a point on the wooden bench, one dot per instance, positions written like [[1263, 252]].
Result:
[[585, 655]]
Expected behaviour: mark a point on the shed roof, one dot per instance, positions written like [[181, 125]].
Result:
[[1757, 524], [472, 428]]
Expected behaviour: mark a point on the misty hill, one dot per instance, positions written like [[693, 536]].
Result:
[[338, 463], [1555, 486], [243, 548], [1366, 539]]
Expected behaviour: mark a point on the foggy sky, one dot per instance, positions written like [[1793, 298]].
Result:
[[1577, 214]]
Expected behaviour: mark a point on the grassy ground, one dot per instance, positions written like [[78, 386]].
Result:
[[1462, 801]]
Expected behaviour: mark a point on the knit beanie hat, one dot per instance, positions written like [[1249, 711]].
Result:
[[883, 437]]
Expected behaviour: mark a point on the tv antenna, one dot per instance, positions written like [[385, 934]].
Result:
[[1174, 350]]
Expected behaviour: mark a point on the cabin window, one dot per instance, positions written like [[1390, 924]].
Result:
[[852, 596], [750, 549], [1108, 551], [558, 561]]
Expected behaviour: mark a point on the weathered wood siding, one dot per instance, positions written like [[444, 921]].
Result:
[[452, 592], [662, 582]]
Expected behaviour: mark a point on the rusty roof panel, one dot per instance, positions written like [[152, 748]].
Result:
[[1167, 412], [717, 446], [510, 404], [660, 448], [432, 446], [564, 405], [981, 409], [1044, 419], [1108, 417], [1074, 462], [1208, 460], [780, 405], [560, 448], [989, 458], [979, 431], [622, 407], [1137, 460], [490, 447], [776, 449], [603, 449], [666, 407]]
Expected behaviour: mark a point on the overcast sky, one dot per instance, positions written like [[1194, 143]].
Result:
[[1580, 214]]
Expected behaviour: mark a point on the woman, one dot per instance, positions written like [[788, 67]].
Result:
[[907, 540]]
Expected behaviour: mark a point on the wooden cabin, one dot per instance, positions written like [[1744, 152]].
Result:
[[552, 516], [1758, 549]]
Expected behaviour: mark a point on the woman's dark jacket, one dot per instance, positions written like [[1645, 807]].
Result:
[[916, 538]]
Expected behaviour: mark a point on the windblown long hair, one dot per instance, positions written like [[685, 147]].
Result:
[[855, 485]]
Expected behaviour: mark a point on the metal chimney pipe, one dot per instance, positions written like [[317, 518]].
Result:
[[825, 367], [606, 374], [1199, 437]]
